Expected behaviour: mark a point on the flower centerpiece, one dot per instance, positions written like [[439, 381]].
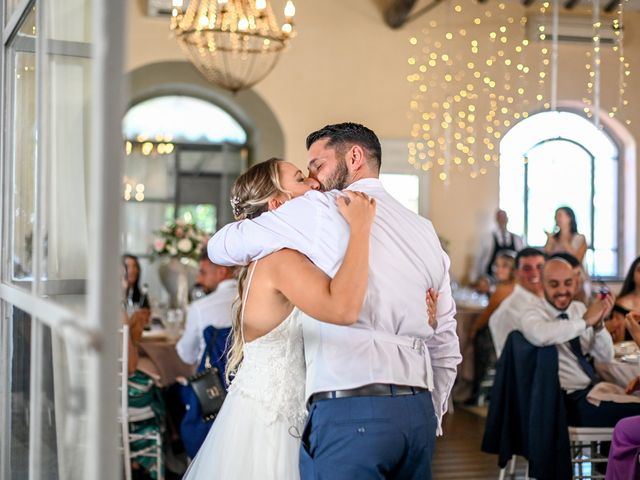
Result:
[[180, 239], [181, 245]]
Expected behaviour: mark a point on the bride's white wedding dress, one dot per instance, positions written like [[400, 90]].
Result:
[[256, 434]]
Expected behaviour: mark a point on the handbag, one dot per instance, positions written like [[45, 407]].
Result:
[[208, 387]]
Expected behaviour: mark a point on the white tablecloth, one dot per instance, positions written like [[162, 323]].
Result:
[[618, 372]]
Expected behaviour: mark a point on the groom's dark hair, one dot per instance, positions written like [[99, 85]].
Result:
[[343, 135]]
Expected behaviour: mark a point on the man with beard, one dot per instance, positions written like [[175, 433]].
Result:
[[576, 331], [215, 309], [377, 390]]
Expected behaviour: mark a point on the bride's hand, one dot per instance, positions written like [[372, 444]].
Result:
[[357, 208], [432, 307]]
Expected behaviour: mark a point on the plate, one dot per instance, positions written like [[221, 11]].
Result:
[[625, 348], [632, 358], [154, 334]]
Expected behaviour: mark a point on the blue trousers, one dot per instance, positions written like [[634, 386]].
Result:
[[362, 438]]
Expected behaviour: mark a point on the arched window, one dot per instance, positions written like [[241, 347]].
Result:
[[554, 159], [182, 156]]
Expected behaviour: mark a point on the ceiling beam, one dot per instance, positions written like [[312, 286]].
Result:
[[610, 7], [397, 13]]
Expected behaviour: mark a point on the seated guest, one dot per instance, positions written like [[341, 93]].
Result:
[[576, 331], [628, 300], [143, 396], [527, 290], [215, 309], [625, 448], [500, 239], [629, 297], [134, 296], [625, 444], [615, 324], [583, 285], [484, 351]]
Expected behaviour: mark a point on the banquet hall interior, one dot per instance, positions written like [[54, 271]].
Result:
[[126, 123]]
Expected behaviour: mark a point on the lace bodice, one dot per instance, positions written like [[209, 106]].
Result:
[[273, 369]]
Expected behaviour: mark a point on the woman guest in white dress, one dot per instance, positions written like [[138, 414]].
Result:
[[256, 434]]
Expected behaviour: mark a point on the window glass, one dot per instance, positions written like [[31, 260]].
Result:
[[20, 390], [21, 114], [404, 188], [181, 119]]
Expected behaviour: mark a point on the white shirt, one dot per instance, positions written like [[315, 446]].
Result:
[[508, 316], [541, 326], [486, 249], [405, 259], [216, 309]]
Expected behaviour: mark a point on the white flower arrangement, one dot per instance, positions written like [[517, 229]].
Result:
[[180, 239]]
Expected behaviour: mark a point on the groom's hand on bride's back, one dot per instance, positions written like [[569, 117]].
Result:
[[357, 208]]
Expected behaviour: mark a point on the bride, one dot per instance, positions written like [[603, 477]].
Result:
[[256, 433]]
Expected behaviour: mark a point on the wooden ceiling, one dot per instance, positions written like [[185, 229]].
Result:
[[399, 12]]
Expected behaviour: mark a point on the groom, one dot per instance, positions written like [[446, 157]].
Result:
[[376, 390]]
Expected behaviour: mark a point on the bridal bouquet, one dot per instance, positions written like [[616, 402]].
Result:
[[180, 239]]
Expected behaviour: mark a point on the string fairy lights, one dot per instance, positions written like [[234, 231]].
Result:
[[471, 82], [477, 73]]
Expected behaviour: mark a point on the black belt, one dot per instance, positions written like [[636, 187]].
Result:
[[373, 390]]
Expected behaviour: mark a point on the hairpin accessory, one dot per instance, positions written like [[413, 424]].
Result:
[[235, 206]]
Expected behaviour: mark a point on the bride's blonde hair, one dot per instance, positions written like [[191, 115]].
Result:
[[250, 197]]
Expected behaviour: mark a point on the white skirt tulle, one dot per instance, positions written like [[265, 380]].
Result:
[[241, 445]]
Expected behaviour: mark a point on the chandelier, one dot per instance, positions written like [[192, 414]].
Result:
[[234, 43]]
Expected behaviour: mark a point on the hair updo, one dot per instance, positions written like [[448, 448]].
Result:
[[250, 197], [253, 189]]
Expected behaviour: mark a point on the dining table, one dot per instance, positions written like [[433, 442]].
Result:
[[157, 357], [623, 368], [466, 316]]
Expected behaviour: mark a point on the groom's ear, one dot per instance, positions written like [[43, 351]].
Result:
[[356, 158]]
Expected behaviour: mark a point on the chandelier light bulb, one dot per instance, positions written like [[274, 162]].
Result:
[[289, 9], [223, 3], [243, 24], [261, 4], [177, 3], [287, 28]]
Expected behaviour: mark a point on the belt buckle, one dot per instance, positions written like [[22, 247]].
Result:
[[417, 344]]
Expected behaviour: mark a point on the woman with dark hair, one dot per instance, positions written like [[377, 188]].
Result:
[[629, 296], [566, 237], [504, 270], [628, 301], [134, 296]]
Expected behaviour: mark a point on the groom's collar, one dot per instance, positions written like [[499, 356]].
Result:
[[365, 182]]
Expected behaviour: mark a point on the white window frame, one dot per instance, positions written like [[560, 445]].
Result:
[[627, 193], [96, 327]]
